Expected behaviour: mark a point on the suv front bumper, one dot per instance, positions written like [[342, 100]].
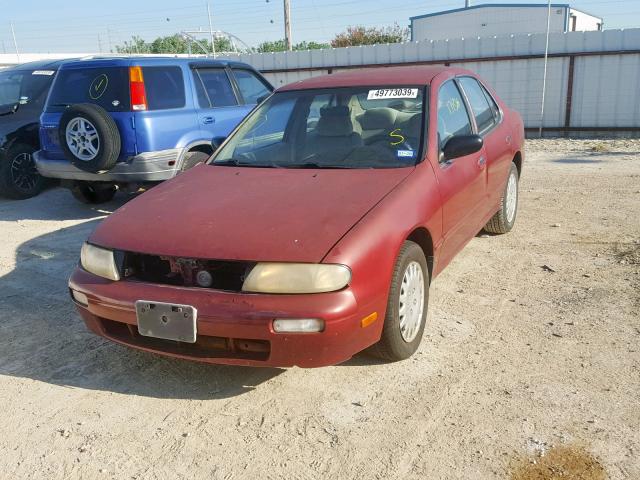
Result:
[[145, 167]]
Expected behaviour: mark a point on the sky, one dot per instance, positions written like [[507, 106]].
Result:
[[58, 26]]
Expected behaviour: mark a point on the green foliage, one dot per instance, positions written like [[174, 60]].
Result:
[[360, 35], [280, 46], [172, 44]]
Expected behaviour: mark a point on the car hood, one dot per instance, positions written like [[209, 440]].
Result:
[[253, 214]]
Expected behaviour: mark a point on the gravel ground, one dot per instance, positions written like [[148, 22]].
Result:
[[529, 367]]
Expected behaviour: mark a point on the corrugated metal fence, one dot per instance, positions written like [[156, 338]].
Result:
[[593, 78]]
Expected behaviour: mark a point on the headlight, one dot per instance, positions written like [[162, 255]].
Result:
[[296, 278], [99, 261]]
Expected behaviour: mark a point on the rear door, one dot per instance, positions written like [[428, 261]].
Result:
[[496, 136], [462, 180], [220, 107], [167, 117]]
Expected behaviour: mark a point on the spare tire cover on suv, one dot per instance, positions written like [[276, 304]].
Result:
[[89, 137]]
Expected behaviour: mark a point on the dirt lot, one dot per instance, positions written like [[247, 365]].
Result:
[[529, 369]]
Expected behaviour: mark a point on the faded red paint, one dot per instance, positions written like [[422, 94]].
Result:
[[359, 218]]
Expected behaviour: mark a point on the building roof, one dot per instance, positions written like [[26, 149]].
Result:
[[494, 5], [380, 76]]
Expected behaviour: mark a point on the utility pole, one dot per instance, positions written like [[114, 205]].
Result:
[[213, 40], [15, 44], [544, 75], [467, 3], [287, 25]]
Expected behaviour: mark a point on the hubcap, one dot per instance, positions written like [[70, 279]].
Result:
[[512, 197], [23, 172], [82, 139], [411, 301]]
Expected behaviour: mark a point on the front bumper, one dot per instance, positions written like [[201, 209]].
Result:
[[145, 167], [233, 328]]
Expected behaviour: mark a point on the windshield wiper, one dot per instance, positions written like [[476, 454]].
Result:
[[234, 162], [314, 165]]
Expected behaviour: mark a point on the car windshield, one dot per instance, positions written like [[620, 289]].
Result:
[[372, 127], [24, 86]]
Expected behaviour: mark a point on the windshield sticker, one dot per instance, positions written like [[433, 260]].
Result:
[[397, 136], [406, 153], [385, 93], [43, 72], [98, 86]]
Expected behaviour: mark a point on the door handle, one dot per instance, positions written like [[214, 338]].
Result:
[[482, 161], [208, 120]]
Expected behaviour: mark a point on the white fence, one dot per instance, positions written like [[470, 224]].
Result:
[[593, 78]]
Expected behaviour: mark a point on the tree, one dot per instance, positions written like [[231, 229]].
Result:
[[360, 35], [281, 46], [172, 44]]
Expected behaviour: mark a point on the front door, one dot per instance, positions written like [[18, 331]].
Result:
[[462, 180]]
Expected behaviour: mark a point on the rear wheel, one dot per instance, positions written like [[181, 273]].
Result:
[[93, 192], [407, 306], [505, 218], [19, 178]]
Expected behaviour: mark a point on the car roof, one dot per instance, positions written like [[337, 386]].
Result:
[[379, 76], [129, 60], [38, 65]]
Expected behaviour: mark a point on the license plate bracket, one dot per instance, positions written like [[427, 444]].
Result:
[[168, 321]]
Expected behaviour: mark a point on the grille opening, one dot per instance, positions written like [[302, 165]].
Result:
[[225, 275], [205, 346]]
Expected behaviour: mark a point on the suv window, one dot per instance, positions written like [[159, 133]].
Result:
[[164, 87], [28, 88], [479, 104], [106, 87], [251, 87], [453, 118], [217, 91]]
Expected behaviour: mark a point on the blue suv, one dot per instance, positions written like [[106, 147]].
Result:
[[127, 122]]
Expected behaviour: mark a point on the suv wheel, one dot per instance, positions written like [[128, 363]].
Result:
[[89, 137], [93, 192], [19, 178]]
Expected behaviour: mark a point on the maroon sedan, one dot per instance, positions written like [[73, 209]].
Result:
[[316, 228]]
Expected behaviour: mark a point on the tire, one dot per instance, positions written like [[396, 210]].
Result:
[[93, 193], [505, 218], [396, 344], [89, 137], [191, 159], [19, 178]]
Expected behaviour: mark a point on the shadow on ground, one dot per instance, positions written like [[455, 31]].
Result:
[[43, 338]]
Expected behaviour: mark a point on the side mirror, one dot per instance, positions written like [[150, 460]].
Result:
[[217, 141], [461, 145]]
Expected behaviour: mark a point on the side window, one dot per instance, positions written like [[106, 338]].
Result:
[[164, 87], [479, 105], [250, 86], [492, 103], [453, 118], [217, 91]]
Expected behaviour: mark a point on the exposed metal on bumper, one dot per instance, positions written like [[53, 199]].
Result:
[[233, 316], [146, 167]]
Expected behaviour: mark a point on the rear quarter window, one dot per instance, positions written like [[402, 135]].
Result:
[[106, 87], [164, 87]]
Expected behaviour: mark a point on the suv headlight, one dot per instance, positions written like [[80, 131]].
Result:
[[99, 261], [296, 278]]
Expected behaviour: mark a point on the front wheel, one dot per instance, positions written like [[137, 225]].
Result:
[[93, 192], [407, 306], [505, 218], [19, 178]]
